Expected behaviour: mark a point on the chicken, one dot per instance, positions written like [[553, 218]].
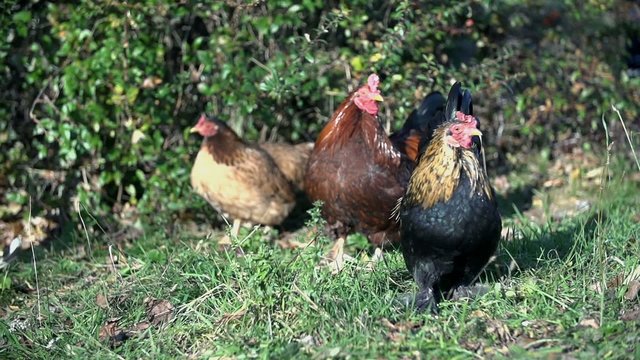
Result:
[[357, 171], [418, 127], [449, 221], [291, 160], [239, 180]]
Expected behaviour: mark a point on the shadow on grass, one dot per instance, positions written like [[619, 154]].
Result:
[[536, 245], [519, 198]]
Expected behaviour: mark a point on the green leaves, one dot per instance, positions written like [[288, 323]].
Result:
[[105, 93]]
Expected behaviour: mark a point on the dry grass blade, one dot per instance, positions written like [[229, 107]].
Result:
[[626, 132]]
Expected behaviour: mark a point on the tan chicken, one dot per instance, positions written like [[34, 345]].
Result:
[[291, 160], [240, 180]]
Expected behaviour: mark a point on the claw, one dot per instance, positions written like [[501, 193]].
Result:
[[469, 292], [423, 300]]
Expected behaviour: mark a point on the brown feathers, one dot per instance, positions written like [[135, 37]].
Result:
[[358, 174], [242, 180], [291, 160]]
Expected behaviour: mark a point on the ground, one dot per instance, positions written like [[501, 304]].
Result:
[[564, 284]]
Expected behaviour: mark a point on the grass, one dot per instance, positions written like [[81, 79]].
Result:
[[547, 296]]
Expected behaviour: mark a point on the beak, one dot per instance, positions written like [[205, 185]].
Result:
[[474, 132], [193, 129], [378, 97]]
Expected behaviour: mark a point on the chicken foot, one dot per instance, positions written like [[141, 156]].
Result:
[[425, 275], [468, 292], [226, 243], [336, 257]]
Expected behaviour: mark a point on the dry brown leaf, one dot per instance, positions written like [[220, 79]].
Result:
[[159, 312], [631, 315], [102, 301], [139, 327], [500, 328], [389, 325], [615, 281], [589, 322], [398, 330], [226, 318], [111, 333], [632, 291], [109, 329], [553, 183]]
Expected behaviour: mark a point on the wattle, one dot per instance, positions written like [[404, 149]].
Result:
[[368, 106]]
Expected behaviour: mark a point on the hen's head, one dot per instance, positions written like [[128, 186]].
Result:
[[460, 133], [367, 97], [206, 126]]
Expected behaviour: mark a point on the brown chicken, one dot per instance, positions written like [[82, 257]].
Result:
[[240, 180], [357, 171], [291, 160]]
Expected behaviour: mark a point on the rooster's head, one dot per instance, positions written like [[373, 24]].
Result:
[[460, 133], [367, 97]]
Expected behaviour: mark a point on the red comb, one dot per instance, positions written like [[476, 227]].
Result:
[[373, 82], [464, 117]]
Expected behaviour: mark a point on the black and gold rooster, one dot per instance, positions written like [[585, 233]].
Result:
[[449, 220]]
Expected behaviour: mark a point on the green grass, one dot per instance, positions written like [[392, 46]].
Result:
[[277, 303]]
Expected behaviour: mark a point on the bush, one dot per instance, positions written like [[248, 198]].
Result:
[[100, 94]]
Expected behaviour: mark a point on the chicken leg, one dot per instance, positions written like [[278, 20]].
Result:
[[225, 241], [336, 257], [425, 275]]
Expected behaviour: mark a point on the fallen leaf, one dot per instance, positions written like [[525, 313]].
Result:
[[102, 301], [589, 322], [139, 327], [108, 329], [226, 318], [632, 291], [159, 312], [553, 183], [111, 333], [631, 315], [615, 281]]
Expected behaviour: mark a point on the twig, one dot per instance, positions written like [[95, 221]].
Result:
[[35, 265], [113, 263], [84, 226]]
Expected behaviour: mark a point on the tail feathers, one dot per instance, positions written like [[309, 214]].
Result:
[[420, 125], [454, 101], [10, 251], [428, 114], [466, 106], [460, 100]]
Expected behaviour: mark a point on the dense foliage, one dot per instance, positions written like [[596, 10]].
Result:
[[98, 95]]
